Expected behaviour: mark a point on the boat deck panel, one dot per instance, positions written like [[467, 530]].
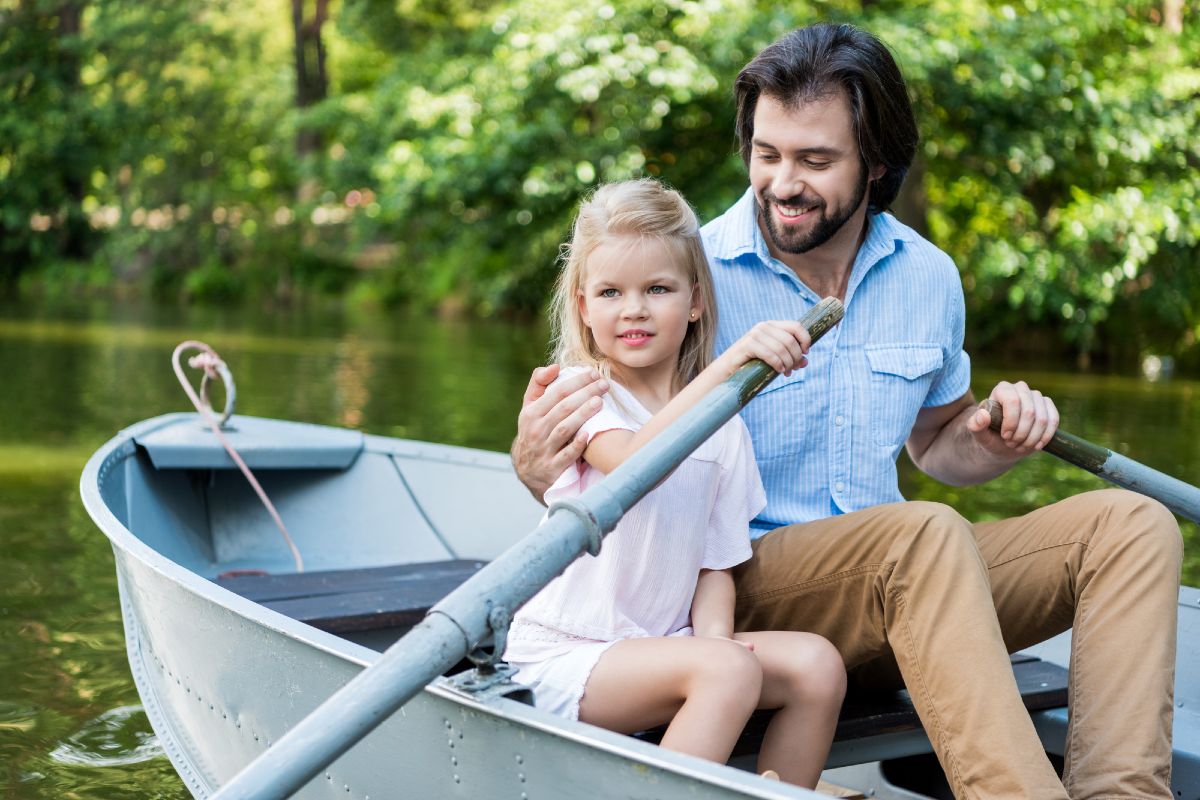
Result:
[[343, 601]]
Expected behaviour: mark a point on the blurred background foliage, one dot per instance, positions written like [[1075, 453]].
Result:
[[431, 152]]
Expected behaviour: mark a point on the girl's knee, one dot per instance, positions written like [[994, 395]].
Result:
[[817, 673], [729, 669]]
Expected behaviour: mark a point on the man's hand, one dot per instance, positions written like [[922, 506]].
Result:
[[1030, 420], [548, 436]]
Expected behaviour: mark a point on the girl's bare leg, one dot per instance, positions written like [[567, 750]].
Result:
[[705, 688], [803, 677]]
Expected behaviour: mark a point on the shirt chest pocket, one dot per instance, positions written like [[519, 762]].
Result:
[[900, 379]]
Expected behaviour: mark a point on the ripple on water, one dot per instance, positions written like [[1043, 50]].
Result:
[[115, 738]]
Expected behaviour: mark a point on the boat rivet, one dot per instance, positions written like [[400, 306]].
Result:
[[328, 777], [256, 737], [521, 777], [1181, 704], [448, 725], [460, 734], [454, 761], [524, 796], [457, 779], [451, 743], [520, 759], [346, 787]]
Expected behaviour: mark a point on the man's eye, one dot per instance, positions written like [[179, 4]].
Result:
[[766, 156], [608, 292], [817, 164]]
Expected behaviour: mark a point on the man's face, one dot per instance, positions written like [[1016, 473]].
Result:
[[806, 171]]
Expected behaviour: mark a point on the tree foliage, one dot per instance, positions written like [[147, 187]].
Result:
[[1058, 165]]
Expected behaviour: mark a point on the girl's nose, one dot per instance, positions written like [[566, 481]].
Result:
[[635, 306]]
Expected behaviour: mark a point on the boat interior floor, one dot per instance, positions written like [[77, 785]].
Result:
[[375, 606]]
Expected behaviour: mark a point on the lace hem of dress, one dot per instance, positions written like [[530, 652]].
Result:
[[529, 631]]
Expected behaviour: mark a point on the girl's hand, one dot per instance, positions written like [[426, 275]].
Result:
[[780, 343]]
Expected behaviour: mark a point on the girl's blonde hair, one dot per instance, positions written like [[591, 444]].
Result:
[[637, 209]]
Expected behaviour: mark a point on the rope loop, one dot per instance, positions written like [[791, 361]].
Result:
[[215, 369]]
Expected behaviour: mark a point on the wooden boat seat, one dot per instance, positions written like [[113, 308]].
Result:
[[355, 600], [1043, 685]]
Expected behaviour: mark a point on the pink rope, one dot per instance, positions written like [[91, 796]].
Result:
[[208, 360]]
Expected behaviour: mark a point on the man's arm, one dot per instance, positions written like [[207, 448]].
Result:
[[548, 436], [955, 444]]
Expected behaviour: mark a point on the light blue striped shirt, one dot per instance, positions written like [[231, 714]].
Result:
[[826, 439]]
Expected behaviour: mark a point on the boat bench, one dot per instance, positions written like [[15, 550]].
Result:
[[355, 600], [1043, 685]]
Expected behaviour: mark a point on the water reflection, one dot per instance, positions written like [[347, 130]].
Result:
[[116, 738]]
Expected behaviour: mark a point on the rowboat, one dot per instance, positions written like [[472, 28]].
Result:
[[231, 646]]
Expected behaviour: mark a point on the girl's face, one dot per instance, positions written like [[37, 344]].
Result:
[[637, 301]]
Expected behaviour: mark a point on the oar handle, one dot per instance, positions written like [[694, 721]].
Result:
[[818, 321], [1067, 446], [1182, 498]]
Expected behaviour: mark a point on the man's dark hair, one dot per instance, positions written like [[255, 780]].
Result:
[[815, 62]]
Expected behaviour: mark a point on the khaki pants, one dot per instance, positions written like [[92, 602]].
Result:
[[913, 590]]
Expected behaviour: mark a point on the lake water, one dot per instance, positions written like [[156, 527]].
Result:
[[75, 373]]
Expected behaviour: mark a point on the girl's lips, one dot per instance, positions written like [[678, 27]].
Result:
[[635, 338]]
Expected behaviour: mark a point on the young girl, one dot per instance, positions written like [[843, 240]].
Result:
[[642, 634]]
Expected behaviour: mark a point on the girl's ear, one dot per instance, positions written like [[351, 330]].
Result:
[[697, 307], [583, 313]]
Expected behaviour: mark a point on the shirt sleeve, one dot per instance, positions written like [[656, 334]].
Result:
[[954, 378], [739, 499], [608, 418]]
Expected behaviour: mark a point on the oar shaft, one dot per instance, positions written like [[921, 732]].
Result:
[[460, 621], [1182, 498]]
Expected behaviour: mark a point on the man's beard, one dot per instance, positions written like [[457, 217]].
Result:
[[825, 227]]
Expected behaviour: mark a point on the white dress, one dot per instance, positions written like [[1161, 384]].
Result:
[[643, 581]]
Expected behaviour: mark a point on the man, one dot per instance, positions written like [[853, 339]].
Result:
[[909, 589]]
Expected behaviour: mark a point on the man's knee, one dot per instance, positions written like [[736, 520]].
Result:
[[932, 523], [1126, 518]]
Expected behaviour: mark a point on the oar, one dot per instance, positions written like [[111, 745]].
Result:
[[1180, 497], [464, 618]]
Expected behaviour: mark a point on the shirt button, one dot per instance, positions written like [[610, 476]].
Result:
[[839, 487], [839, 420]]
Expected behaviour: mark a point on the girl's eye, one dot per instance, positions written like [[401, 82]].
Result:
[[608, 292], [658, 290]]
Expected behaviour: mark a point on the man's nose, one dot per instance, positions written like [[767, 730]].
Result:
[[788, 182]]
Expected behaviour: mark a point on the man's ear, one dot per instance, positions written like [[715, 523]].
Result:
[[877, 172]]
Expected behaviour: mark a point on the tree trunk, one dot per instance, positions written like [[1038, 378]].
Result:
[[1173, 16], [312, 84]]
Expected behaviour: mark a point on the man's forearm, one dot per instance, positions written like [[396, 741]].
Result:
[[954, 456]]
